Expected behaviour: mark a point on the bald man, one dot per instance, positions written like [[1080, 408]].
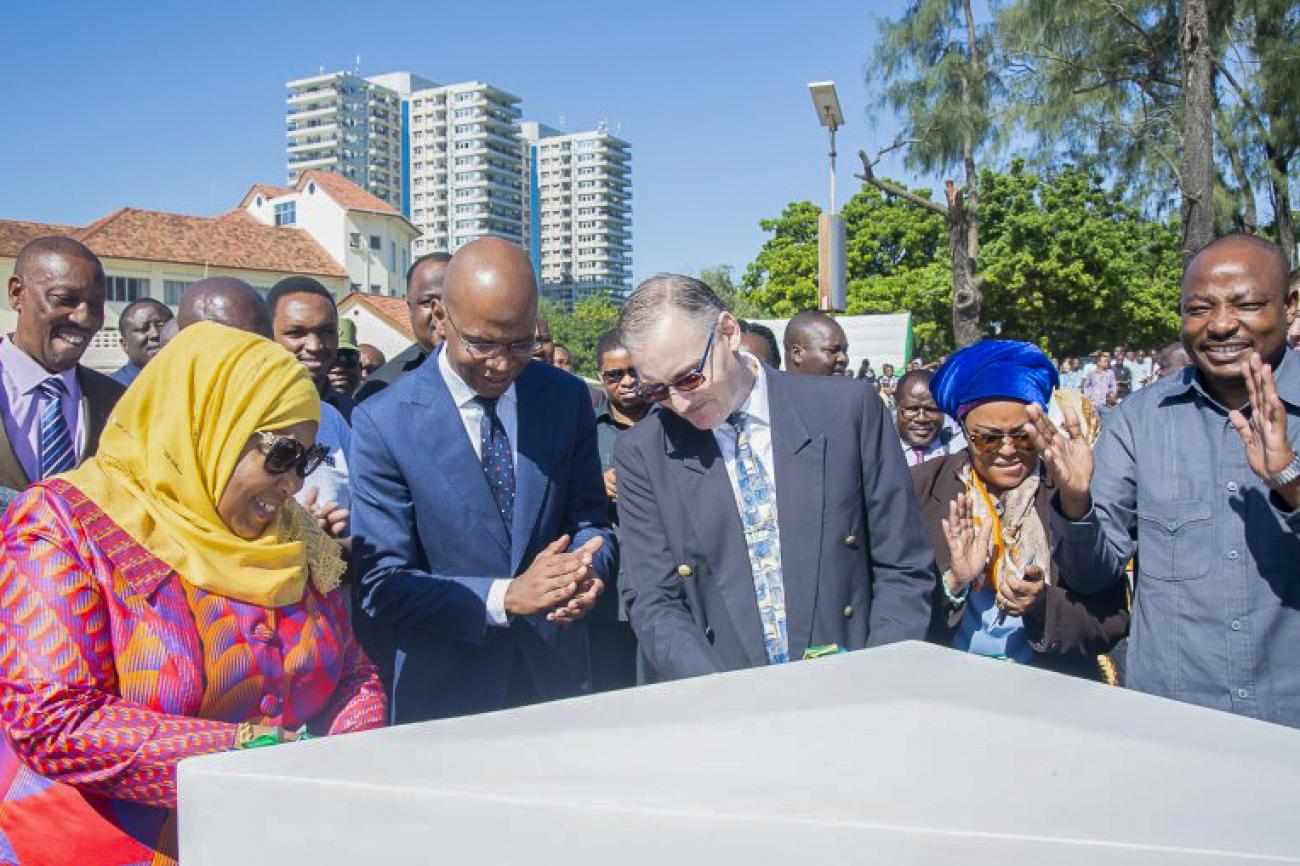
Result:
[[53, 409], [480, 522], [815, 344], [1211, 513], [227, 301]]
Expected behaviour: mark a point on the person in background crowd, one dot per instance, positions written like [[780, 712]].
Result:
[[306, 322], [227, 301], [815, 344], [423, 293], [988, 509], [371, 360], [1100, 386], [545, 345], [345, 372], [53, 409], [1172, 359], [206, 612], [1212, 516], [1144, 373], [888, 383], [563, 359], [140, 328], [1293, 330], [234, 303], [613, 645], [1124, 383], [1072, 374], [758, 340], [763, 514], [479, 558], [922, 427], [865, 371]]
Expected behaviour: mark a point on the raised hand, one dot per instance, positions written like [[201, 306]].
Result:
[[1268, 451], [968, 547], [1021, 595], [1068, 457]]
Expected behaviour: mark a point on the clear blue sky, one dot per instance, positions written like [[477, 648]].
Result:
[[180, 106]]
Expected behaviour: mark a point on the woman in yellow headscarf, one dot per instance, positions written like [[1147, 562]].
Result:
[[169, 599]]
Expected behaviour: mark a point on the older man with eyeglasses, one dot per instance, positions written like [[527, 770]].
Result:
[[480, 521], [765, 517]]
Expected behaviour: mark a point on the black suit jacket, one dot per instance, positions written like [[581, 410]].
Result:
[[856, 560], [407, 360], [99, 394]]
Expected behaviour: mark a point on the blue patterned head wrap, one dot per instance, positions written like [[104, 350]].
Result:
[[994, 370]]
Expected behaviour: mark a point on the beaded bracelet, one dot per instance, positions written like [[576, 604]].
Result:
[[959, 597]]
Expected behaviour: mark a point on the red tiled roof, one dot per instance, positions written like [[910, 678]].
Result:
[[346, 193], [392, 310], [226, 242], [265, 189], [16, 234]]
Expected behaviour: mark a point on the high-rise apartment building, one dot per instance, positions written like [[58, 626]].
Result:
[[342, 123], [580, 211]]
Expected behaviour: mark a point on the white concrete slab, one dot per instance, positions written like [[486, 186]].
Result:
[[909, 754]]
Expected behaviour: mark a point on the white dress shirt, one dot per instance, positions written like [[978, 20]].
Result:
[[471, 416], [757, 408]]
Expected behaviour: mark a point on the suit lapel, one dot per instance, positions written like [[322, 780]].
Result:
[[536, 453], [95, 409], [452, 455], [800, 482], [12, 474], [711, 514]]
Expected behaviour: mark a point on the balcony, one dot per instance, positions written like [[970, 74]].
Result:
[[306, 163], [314, 146]]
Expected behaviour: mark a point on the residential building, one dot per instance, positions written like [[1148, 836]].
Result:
[[580, 212], [368, 236], [383, 322], [342, 123]]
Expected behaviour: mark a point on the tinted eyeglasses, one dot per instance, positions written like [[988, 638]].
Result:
[[484, 351], [991, 443], [614, 375], [919, 410], [686, 382], [283, 454]]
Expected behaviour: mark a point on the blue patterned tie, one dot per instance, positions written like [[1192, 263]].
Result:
[[57, 454], [763, 538], [498, 459]]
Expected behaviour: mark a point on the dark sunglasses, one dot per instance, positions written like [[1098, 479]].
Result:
[[347, 359], [283, 453], [614, 375], [991, 443], [686, 382]]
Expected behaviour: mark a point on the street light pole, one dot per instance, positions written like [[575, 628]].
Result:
[[830, 228]]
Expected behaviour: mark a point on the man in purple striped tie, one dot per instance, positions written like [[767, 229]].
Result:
[[52, 407]]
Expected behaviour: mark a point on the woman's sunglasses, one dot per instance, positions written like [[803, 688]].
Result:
[[283, 454], [991, 443], [686, 382]]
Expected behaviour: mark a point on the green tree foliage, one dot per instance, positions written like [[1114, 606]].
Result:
[[720, 279], [578, 331]]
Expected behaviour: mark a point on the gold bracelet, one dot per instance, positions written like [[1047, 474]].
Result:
[[243, 734]]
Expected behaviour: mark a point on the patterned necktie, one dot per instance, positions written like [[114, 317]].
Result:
[[56, 440], [762, 537], [498, 459]]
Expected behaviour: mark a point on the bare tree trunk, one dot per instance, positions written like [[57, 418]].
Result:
[[1278, 166], [966, 294], [1198, 126]]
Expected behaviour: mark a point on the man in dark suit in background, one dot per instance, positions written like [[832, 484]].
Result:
[[423, 293], [480, 521], [53, 409], [766, 513]]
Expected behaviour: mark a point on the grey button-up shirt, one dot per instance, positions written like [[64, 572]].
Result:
[[1216, 609]]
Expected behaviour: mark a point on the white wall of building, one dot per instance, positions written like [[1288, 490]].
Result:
[[375, 330]]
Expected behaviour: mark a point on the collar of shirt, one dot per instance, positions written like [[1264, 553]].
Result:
[[471, 413], [1287, 377], [756, 404], [27, 375], [461, 393]]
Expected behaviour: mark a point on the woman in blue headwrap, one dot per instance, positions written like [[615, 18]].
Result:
[[988, 511]]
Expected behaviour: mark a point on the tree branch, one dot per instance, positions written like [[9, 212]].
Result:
[[889, 188]]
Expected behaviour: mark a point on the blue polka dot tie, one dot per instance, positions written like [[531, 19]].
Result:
[[498, 459], [57, 453]]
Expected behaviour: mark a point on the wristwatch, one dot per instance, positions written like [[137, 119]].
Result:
[[1286, 476]]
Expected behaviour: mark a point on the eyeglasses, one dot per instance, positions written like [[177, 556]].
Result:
[[614, 375], [483, 351], [283, 454], [347, 359], [686, 382], [918, 411], [991, 443]]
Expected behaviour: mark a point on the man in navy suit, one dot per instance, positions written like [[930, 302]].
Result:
[[764, 513], [480, 522]]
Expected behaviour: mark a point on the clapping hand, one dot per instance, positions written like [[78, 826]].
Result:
[[1068, 457], [559, 581], [1268, 451], [968, 548], [588, 589]]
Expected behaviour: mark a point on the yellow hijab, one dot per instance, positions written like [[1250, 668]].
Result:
[[171, 445]]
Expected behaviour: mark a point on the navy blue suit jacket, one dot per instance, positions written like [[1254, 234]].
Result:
[[856, 558], [428, 540]]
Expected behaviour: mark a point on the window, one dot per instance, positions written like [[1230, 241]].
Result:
[[355, 241], [173, 289], [374, 289], [392, 255], [376, 243], [127, 289], [285, 214]]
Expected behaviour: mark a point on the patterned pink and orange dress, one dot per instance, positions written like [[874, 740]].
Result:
[[113, 669]]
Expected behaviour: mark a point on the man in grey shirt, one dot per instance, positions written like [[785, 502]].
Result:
[[1198, 476]]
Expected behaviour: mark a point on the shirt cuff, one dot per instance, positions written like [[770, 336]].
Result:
[[496, 604]]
